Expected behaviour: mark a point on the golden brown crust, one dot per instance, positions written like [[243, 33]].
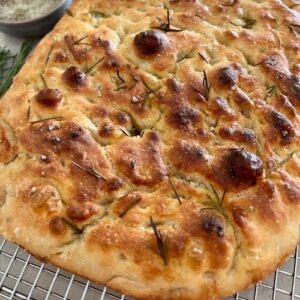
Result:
[[153, 146]]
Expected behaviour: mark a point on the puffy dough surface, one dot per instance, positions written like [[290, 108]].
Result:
[[152, 146]]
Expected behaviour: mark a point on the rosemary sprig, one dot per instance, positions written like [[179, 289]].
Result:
[[75, 228], [183, 55], [58, 118], [148, 92], [48, 55], [44, 81], [4, 57], [215, 202], [80, 40], [130, 206], [206, 86], [119, 82], [12, 160], [90, 170], [89, 69], [175, 190], [248, 22], [166, 26], [294, 28], [271, 90], [120, 77], [28, 111], [283, 162], [160, 242], [202, 56], [18, 62], [125, 131]]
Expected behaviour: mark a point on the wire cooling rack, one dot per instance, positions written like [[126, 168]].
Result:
[[24, 277]]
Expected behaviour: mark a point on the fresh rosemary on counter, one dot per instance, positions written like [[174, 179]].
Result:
[[11, 65]]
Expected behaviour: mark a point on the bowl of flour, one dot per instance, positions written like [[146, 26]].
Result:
[[30, 18]]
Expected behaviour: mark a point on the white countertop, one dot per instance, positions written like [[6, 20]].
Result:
[[12, 43]]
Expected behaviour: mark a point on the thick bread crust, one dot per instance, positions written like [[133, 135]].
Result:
[[152, 146]]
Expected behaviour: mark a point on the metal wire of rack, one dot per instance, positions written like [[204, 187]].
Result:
[[24, 277]]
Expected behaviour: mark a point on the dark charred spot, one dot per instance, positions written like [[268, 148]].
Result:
[[55, 140], [227, 76], [283, 125], [81, 211], [293, 86], [183, 117], [135, 131], [114, 184], [49, 97], [242, 135], [150, 42], [243, 167], [106, 130], [75, 134], [75, 77], [213, 224], [57, 225]]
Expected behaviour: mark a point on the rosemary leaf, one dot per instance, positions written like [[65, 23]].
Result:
[[283, 162], [206, 86], [44, 81], [90, 170], [166, 26], [18, 62], [12, 160], [160, 241], [175, 190], [202, 56], [271, 90], [130, 206], [4, 58], [48, 55], [79, 40], [47, 119], [94, 65]]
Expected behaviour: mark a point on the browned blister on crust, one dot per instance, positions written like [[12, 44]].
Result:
[[154, 146]]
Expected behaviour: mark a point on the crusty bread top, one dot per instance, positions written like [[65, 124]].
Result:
[[153, 145]]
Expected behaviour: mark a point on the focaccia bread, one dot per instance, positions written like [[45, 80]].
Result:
[[152, 146]]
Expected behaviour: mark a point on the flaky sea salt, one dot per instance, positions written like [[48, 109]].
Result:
[[25, 10]]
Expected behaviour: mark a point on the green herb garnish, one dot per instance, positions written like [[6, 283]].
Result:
[[283, 162], [160, 241], [166, 26], [90, 170], [18, 62]]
